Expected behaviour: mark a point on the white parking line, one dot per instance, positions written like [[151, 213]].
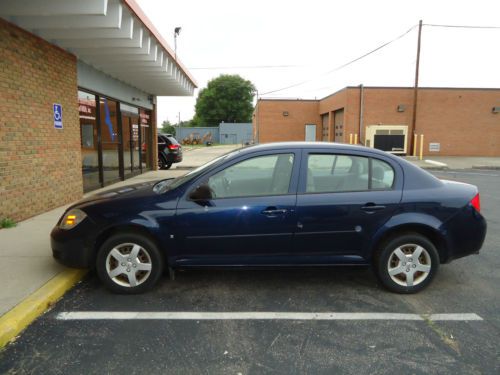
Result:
[[190, 315]]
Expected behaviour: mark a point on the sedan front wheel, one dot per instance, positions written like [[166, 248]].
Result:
[[129, 263], [407, 263]]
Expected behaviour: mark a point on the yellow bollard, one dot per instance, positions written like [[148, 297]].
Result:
[[350, 138], [356, 138], [421, 146], [415, 141]]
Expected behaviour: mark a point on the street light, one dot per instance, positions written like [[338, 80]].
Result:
[[177, 31]]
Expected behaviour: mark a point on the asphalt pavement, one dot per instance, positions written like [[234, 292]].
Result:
[[195, 345]]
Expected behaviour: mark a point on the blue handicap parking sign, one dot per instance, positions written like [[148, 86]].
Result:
[[58, 124]]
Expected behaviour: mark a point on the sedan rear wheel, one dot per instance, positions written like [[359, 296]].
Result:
[[407, 263], [129, 263]]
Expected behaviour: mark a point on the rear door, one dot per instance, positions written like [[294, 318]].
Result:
[[343, 199], [250, 217]]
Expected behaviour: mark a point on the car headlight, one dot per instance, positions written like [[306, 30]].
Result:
[[72, 218]]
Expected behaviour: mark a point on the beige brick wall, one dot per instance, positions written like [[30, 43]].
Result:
[[40, 166]]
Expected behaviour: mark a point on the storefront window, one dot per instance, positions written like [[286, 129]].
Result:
[[89, 145], [116, 140], [110, 140]]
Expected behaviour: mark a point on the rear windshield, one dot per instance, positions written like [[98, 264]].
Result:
[[173, 140]]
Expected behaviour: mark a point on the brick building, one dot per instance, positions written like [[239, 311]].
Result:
[[452, 121], [78, 87]]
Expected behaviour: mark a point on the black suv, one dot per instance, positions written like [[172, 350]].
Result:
[[169, 151]]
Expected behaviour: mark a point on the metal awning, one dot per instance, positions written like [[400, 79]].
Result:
[[114, 36]]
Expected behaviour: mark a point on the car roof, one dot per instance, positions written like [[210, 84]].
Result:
[[313, 145]]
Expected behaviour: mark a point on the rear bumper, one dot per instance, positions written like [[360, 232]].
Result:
[[173, 157], [465, 233]]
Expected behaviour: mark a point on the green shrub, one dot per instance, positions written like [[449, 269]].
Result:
[[7, 223]]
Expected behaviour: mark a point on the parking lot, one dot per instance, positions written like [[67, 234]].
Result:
[[375, 332]]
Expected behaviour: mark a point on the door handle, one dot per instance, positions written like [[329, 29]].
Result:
[[273, 211], [372, 207]]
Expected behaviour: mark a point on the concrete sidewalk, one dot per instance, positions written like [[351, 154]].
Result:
[[26, 256], [456, 162]]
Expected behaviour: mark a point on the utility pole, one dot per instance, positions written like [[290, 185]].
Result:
[[415, 93]]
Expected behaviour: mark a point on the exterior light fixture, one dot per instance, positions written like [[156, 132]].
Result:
[[177, 31]]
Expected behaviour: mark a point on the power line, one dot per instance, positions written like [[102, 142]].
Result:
[[247, 67], [462, 26], [346, 64]]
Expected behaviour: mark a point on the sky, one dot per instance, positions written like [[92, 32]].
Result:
[[276, 44]]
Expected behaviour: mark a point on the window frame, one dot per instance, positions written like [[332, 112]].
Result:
[[292, 187]]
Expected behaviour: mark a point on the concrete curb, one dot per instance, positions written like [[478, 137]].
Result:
[[486, 167], [17, 319]]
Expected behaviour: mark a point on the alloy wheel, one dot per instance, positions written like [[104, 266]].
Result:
[[409, 265], [128, 265]]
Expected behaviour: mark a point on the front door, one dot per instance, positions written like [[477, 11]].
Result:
[[343, 201], [249, 217]]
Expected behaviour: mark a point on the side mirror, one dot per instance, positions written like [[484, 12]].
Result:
[[201, 193]]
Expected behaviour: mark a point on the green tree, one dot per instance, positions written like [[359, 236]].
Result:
[[167, 128], [226, 98]]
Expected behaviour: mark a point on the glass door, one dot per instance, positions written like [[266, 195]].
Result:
[[131, 149]]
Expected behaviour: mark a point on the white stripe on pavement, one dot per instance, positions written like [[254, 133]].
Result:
[[191, 315]]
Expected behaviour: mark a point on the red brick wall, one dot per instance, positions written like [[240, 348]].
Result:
[[40, 167], [333, 103], [274, 127], [461, 120]]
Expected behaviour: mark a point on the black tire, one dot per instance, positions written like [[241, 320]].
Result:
[[147, 254], [409, 273], [161, 162], [168, 165]]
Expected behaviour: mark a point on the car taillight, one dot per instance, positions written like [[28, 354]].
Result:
[[476, 203], [173, 147]]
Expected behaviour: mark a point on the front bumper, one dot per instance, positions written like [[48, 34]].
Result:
[[74, 247]]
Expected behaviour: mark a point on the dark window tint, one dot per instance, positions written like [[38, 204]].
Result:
[[172, 140]]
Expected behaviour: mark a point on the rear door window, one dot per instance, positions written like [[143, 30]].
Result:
[[382, 175]]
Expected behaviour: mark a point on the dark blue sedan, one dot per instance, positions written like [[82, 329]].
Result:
[[282, 204]]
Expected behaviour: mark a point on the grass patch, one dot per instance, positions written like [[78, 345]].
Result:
[[7, 223]]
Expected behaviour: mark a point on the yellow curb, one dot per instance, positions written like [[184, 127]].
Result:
[[17, 319]]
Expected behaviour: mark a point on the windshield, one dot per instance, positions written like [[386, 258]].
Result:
[[170, 184]]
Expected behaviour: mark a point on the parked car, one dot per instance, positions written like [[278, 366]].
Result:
[[169, 151], [284, 204]]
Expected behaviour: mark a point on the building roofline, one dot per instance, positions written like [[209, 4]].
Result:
[[382, 88], [139, 13], [421, 88], [289, 99], [337, 92]]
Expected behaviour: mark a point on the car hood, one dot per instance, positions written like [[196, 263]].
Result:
[[140, 189]]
